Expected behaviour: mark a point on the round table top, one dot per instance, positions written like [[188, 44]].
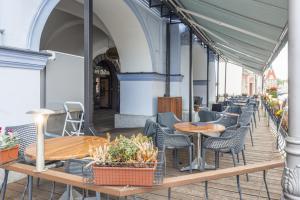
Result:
[[188, 127], [68, 147]]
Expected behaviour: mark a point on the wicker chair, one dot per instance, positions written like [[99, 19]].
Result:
[[231, 141], [165, 138], [245, 119], [175, 141], [207, 116], [226, 120], [167, 120], [27, 136]]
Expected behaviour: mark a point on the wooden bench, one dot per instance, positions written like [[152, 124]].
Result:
[[74, 180]]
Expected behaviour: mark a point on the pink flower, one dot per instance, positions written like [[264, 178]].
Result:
[[11, 135]]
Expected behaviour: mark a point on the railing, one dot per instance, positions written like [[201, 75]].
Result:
[[278, 130], [74, 180]]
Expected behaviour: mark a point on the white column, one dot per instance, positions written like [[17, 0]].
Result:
[[291, 180]]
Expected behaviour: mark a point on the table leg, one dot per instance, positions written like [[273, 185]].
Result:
[[30, 180], [196, 164], [201, 144]]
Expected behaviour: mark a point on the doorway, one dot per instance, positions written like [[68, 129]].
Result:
[[106, 92], [103, 88]]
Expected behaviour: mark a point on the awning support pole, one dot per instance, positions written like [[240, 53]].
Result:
[[88, 64]]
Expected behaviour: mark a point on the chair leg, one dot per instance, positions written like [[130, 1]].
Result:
[[175, 158], [206, 190], [202, 164], [165, 161], [52, 190], [266, 185], [25, 189], [4, 185], [169, 193], [254, 118], [38, 182], [245, 163], [217, 160], [233, 158], [239, 186], [191, 158], [238, 158], [251, 136]]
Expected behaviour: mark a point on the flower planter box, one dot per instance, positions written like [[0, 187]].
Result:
[[123, 176], [8, 155]]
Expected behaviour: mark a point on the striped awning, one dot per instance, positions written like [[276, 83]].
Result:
[[246, 32]]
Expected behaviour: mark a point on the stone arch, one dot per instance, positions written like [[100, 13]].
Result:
[[134, 56]]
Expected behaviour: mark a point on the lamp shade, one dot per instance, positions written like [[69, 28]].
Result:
[[41, 111]]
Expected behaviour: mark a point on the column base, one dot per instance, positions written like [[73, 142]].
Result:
[[291, 183]]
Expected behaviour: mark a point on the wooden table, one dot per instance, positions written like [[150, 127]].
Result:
[[64, 148], [205, 129]]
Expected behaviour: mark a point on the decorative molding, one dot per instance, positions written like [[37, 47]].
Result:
[[24, 59], [291, 183], [200, 82], [148, 76]]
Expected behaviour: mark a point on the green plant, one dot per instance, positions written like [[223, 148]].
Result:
[[122, 150], [7, 139], [133, 151]]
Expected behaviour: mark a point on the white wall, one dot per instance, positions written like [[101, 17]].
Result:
[[127, 34], [199, 62], [234, 79], [200, 70], [185, 72], [212, 81], [20, 92], [140, 97], [16, 17], [64, 80]]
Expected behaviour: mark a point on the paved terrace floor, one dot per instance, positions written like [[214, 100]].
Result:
[[263, 150]]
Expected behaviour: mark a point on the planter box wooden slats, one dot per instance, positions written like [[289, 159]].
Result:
[[123, 176], [8, 155]]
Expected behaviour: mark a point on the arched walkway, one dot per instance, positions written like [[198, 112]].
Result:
[[129, 37]]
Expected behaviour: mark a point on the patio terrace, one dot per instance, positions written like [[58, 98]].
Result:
[[264, 149]]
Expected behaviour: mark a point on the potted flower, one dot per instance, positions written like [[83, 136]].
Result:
[[9, 147], [125, 161]]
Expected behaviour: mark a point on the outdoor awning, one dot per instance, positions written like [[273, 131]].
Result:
[[246, 32]]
